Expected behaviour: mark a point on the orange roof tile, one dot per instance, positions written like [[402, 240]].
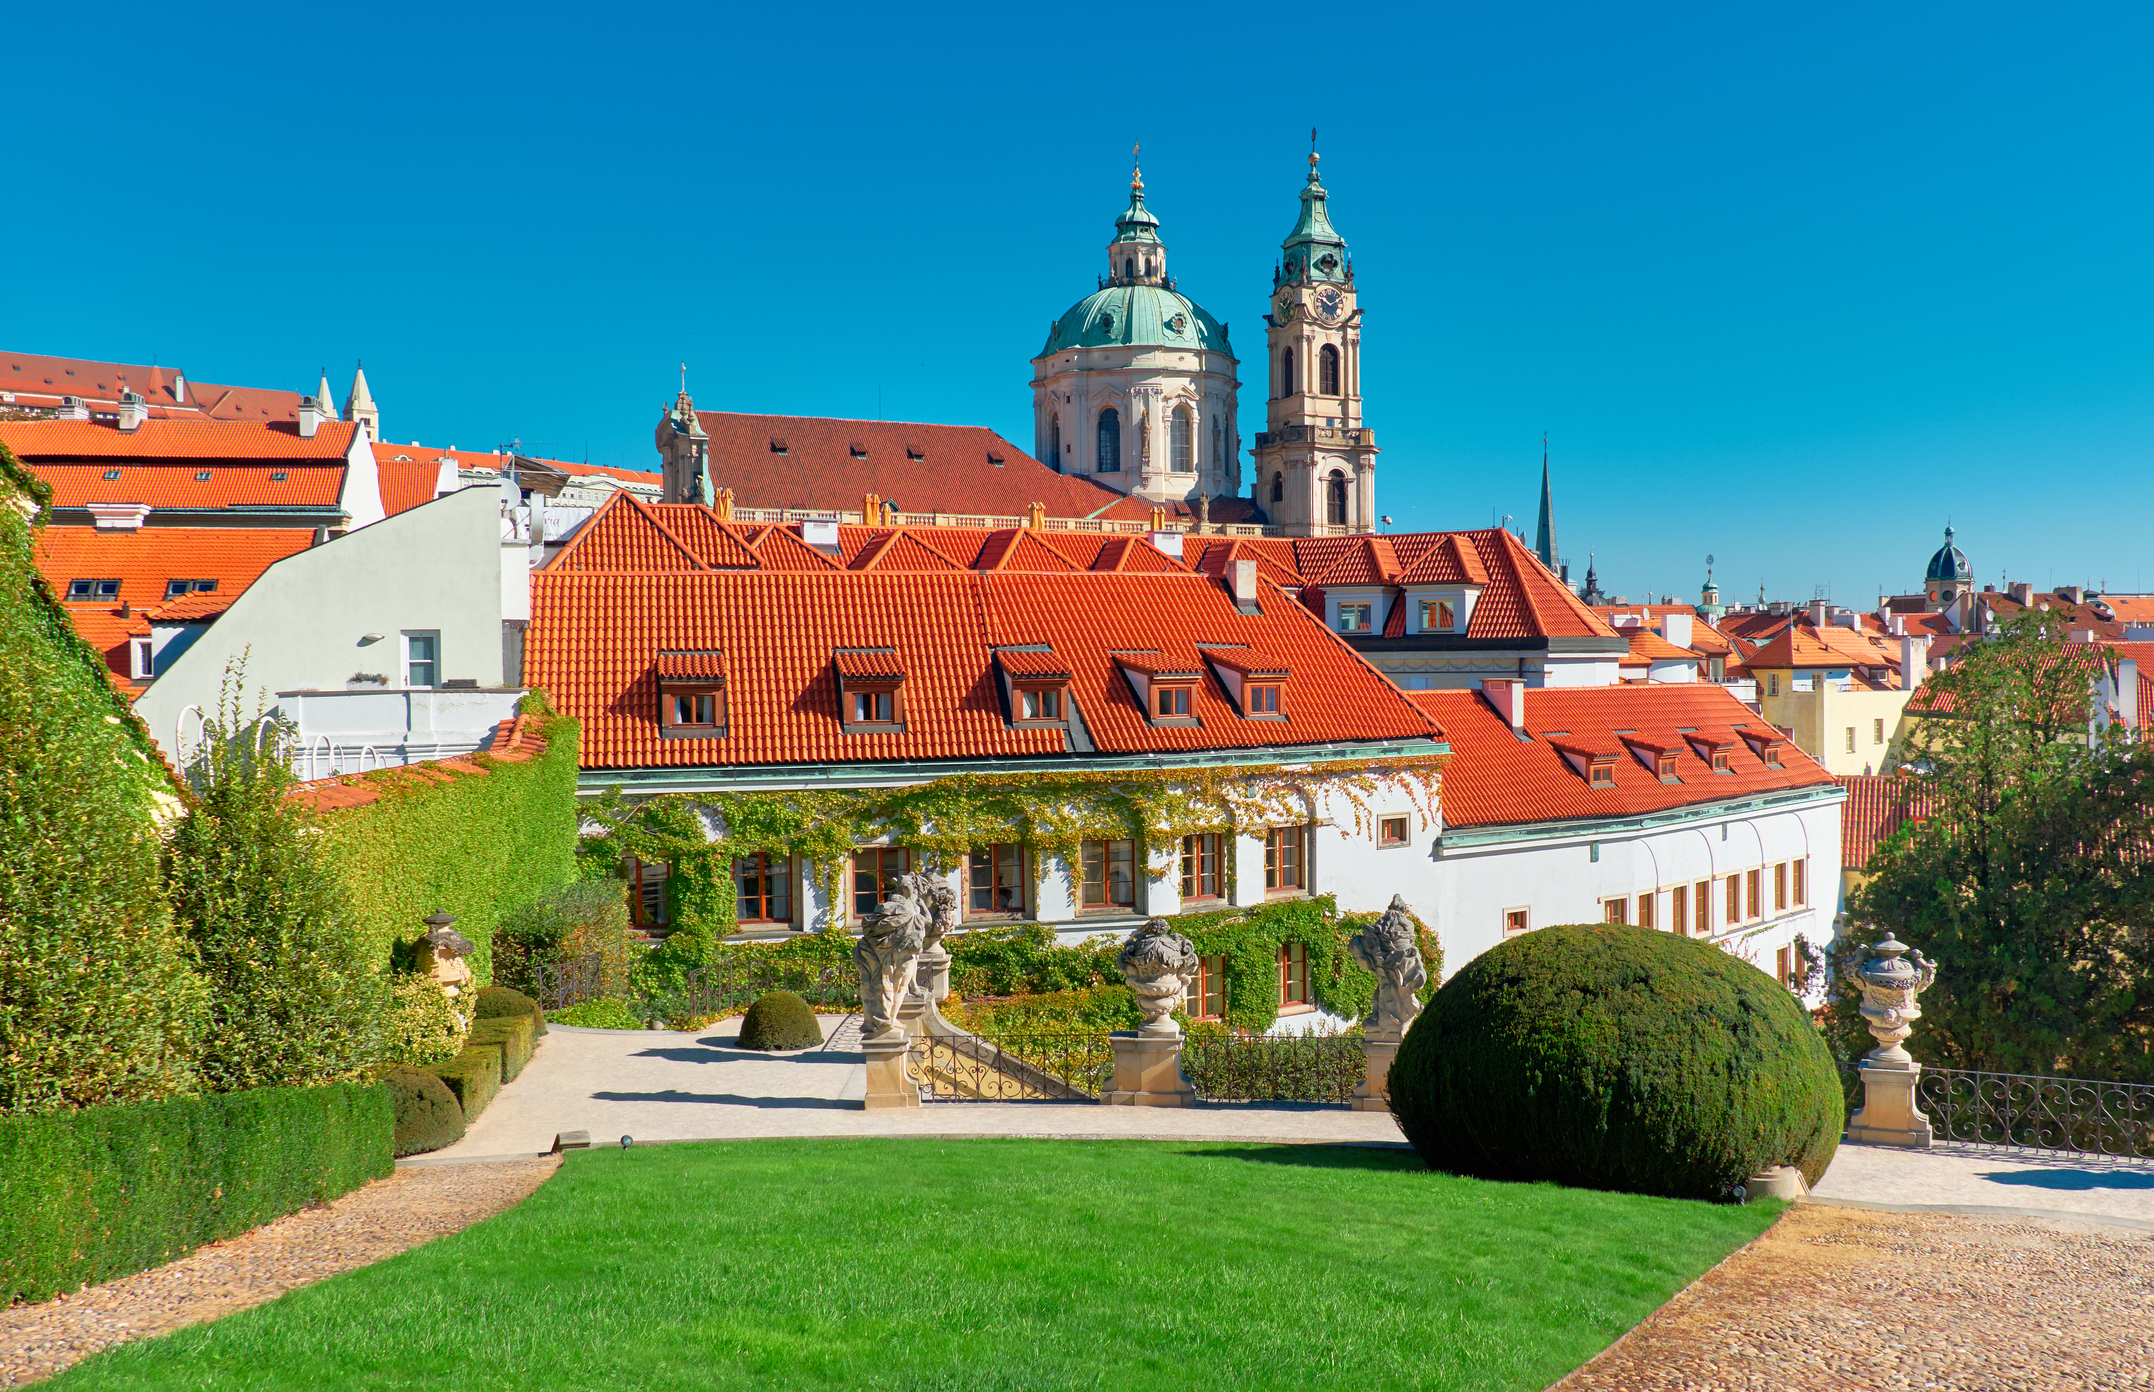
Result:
[[713, 542], [1800, 646], [144, 560], [1495, 778], [41, 380], [901, 550], [780, 548], [626, 534], [164, 485], [51, 441], [1877, 805]]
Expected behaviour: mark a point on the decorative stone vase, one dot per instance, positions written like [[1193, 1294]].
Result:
[[1157, 962], [1889, 981], [1390, 949], [442, 951]]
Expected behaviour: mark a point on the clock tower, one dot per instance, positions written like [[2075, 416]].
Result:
[[1315, 461]]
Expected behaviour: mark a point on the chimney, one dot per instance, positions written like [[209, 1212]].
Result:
[[1817, 613], [822, 535], [2074, 593], [133, 411], [1914, 656], [2021, 591], [1508, 696], [2128, 692], [1245, 587], [1845, 618], [310, 417], [1676, 629], [119, 517], [73, 408], [179, 388], [1168, 543]]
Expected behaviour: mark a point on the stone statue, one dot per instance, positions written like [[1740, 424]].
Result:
[[888, 952], [442, 951], [1889, 985], [1157, 962], [1389, 948], [1144, 437], [931, 976]]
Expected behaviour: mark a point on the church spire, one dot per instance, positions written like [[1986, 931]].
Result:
[[1136, 256], [325, 397], [359, 406], [1314, 249], [1544, 536]]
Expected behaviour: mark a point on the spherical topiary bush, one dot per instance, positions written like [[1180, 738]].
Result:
[[501, 1000], [427, 1117], [780, 1020], [1612, 1057]]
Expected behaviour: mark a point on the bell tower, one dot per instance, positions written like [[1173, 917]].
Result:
[[1315, 461]]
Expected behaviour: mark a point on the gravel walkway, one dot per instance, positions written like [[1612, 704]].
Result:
[[1833, 1299], [365, 1226]]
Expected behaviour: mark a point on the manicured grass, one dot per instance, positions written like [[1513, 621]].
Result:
[[980, 1265]]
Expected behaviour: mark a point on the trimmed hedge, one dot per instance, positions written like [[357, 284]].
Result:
[[1612, 1057], [778, 1021], [509, 1033], [427, 1117], [497, 1001], [474, 1076], [89, 1195]]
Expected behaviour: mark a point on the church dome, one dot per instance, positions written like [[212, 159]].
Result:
[[1950, 563], [1140, 316]]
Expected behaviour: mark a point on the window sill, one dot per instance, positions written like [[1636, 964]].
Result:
[[1176, 722], [691, 732], [873, 727], [1299, 1008], [994, 915], [1266, 715]]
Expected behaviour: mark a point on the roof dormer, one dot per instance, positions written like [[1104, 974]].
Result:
[[1710, 748], [1035, 686], [871, 690], [1657, 757], [1255, 684], [1766, 743], [1596, 766], [1166, 690], [691, 694]]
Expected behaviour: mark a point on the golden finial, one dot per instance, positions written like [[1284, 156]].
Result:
[[1136, 168]]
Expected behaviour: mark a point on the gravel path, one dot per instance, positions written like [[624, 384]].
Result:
[[1842, 1298], [365, 1226]]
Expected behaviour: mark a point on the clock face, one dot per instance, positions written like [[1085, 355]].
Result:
[[1330, 304], [1286, 308]]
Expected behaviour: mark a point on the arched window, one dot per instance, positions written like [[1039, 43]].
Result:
[[1286, 372], [1129, 268], [1217, 457], [1278, 488], [1335, 499], [1054, 441], [1327, 367], [1178, 442], [1110, 442]]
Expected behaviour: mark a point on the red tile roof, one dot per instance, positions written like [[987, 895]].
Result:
[[1647, 647], [1704, 638], [627, 534], [594, 641], [780, 548], [40, 380], [901, 550], [1801, 647], [405, 483], [1877, 805], [50, 441], [1495, 778], [144, 560], [165, 485]]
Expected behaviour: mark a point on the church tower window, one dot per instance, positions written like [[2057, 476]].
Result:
[[1335, 499], [1278, 488], [1110, 441], [1129, 268], [1286, 372], [1328, 371], [1179, 442], [1054, 437], [1217, 457]]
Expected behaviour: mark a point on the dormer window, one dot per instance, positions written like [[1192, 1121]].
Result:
[[1720, 761], [1438, 616], [111, 474], [1596, 766], [1039, 703], [1664, 766], [1264, 700], [691, 694], [201, 476], [913, 452], [1601, 773], [1172, 698], [1766, 744], [778, 445], [859, 450], [1354, 616], [1036, 683], [871, 690], [1254, 684], [1166, 691], [279, 476]]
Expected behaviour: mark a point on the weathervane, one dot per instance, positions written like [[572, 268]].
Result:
[[1136, 168]]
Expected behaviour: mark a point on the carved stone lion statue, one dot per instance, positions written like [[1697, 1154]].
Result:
[[1388, 947], [1157, 962], [891, 941]]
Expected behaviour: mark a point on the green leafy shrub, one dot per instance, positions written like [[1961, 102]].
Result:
[[512, 1035], [1024, 959], [780, 1020], [293, 1000], [581, 919], [605, 1013], [1094, 1010], [100, 1192], [424, 1024], [1612, 1057], [474, 1076], [427, 1117], [98, 1003], [494, 1001]]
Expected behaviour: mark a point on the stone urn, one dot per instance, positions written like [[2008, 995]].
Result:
[[1157, 962], [1890, 979], [441, 953]]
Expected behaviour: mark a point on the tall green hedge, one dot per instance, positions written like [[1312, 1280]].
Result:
[[89, 1195], [480, 845], [97, 1002]]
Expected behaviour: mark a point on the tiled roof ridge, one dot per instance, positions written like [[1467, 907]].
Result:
[[516, 740], [881, 548], [601, 526]]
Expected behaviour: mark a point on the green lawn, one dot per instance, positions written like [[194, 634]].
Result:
[[978, 1265]]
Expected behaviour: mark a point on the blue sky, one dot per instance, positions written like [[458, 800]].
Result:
[[1791, 285]]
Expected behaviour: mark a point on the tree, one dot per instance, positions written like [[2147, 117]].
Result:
[[97, 1001], [2032, 879], [293, 1000]]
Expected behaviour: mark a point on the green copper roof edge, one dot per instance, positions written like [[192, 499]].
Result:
[[590, 782], [1589, 828]]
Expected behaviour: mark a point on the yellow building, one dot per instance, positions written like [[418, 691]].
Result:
[[1837, 694]]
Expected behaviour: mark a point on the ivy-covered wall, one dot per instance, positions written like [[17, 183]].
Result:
[[478, 844]]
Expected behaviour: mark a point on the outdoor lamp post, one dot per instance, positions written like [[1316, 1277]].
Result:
[[1889, 981]]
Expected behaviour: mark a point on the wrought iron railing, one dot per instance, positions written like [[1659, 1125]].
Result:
[[1012, 1068], [559, 985], [1273, 1067], [2078, 1115], [734, 983]]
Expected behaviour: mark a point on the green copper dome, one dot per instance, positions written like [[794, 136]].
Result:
[[1137, 316]]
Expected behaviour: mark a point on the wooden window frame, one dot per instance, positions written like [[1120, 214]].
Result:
[[1208, 986], [1274, 871], [1102, 883], [1734, 907], [1261, 700], [1616, 909], [850, 690], [1753, 887], [775, 870], [1802, 883], [996, 885], [1701, 908], [1404, 822], [1518, 921], [882, 874], [1042, 693], [1649, 909], [1293, 978], [1197, 847], [1172, 701], [670, 693], [640, 893], [1600, 773], [1780, 888], [1679, 910]]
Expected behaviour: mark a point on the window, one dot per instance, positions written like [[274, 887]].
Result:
[[1110, 874], [1129, 268], [422, 659], [1877, 730], [175, 588], [1286, 859], [111, 474], [694, 710], [1735, 900], [1278, 488], [1039, 703], [1437, 616], [1757, 901], [1772, 683], [1394, 831], [1780, 887], [201, 476], [874, 707], [1208, 990], [1110, 441], [279, 476], [1354, 618], [1850, 739], [763, 888], [1179, 434], [1054, 440], [647, 891], [1679, 910], [1615, 910], [1601, 773], [93, 589], [1215, 456], [1785, 960], [1200, 866], [145, 659], [1293, 974], [1170, 701], [1802, 882], [1647, 903], [995, 876], [1664, 768], [1335, 499], [1286, 372], [1327, 371], [875, 875], [1701, 909], [1720, 761], [1515, 921], [1263, 700]]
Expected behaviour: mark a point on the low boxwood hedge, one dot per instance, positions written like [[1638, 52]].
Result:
[[512, 1035], [1614, 1057], [89, 1195], [474, 1076], [779, 1021], [427, 1117], [495, 1001]]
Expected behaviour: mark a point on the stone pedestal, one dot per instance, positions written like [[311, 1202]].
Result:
[[1148, 1071], [1779, 1182], [1889, 1115], [1373, 1093], [890, 1082], [931, 986]]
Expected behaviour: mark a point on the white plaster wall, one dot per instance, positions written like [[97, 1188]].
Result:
[[437, 566]]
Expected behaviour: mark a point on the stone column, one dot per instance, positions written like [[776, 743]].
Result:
[[1889, 985], [1157, 962], [1388, 947]]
